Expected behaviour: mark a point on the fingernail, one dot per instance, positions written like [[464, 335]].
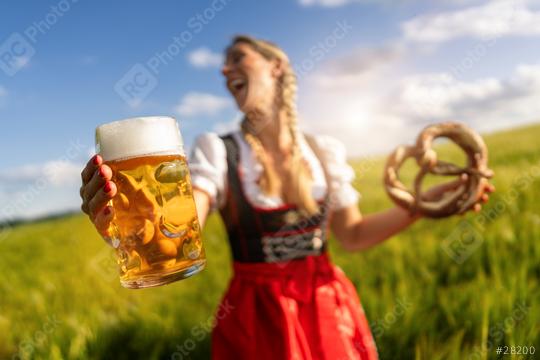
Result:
[[108, 187], [102, 171], [96, 160], [107, 211]]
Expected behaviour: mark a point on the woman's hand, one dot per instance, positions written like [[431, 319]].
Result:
[[436, 192], [96, 191]]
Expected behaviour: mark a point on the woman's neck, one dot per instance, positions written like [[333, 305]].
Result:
[[273, 132]]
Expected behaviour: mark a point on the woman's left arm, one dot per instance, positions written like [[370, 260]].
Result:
[[356, 232]]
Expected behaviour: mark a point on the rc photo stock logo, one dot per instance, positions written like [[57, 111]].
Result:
[[17, 49], [15, 52], [462, 242], [136, 85], [139, 81]]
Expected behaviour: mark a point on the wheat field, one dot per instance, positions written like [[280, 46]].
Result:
[[447, 289]]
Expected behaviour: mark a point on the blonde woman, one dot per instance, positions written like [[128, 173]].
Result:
[[279, 193]]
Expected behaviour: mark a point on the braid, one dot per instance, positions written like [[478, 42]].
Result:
[[300, 176], [269, 180]]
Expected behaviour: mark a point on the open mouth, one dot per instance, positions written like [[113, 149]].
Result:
[[237, 85]]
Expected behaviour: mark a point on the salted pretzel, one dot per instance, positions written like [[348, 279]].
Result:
[[455, 202]]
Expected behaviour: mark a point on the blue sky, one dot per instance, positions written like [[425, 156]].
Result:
[[371, 73]]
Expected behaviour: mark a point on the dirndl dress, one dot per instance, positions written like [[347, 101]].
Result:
[[286, 299]]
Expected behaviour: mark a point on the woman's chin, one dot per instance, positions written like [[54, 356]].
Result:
[[241, 99], [243, 105]]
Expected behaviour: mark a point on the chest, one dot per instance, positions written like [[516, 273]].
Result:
[[251, 171], [283, 169]]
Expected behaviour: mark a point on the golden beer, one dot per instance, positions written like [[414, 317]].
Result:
[[155, 221]]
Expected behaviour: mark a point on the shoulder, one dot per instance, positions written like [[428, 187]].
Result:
[[330, 148], [210, 144], [207, 139], [333, 155], [215, 140], [208, 149]]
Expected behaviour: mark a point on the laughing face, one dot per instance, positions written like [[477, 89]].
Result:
[[250, 78]]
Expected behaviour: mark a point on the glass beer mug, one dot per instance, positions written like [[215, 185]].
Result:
[[155, 227]]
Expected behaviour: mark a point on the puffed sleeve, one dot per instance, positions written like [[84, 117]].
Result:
[[340, 173], [208, 167]]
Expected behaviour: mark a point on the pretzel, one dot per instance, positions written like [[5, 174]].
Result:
[[457, 201]]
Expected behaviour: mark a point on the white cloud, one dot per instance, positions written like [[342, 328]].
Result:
[[438, 95], [491, 20], [360, 66], [230, 126], [36, 190], [374, 115], [441, 96], [195, 103], [373, 99], [54, 173], [204, 57]]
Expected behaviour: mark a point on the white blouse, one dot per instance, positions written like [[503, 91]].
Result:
[[208, 168]]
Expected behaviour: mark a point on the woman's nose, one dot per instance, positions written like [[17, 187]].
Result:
[[225, 69]]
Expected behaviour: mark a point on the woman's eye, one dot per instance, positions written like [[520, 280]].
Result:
[[236, 58]]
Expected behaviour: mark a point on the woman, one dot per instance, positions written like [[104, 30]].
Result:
[[276, 189]]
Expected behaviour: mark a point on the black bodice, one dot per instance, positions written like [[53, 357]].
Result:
[[268, 235]]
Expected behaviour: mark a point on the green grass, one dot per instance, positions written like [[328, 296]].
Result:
[[60, 297]]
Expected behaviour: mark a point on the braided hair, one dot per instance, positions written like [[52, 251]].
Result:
[[300, 178]]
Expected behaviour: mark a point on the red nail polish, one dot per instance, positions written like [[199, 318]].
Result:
[[108, 187], [102, 172], [107, 211], [96, 159]]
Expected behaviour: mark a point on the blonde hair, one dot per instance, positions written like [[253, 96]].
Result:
[[300, 176]]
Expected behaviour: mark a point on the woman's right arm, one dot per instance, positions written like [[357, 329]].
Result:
[[97, 190], [202, 202]]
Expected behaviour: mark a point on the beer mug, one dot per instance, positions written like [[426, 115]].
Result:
[[155, 228]]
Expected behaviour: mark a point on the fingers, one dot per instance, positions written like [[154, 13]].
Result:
[[98, 180], [452, 185], [489, 188], [91, 168], [101, 198], [103, 220], [96, 191], [86, 175], [89, 190], [483, 198]]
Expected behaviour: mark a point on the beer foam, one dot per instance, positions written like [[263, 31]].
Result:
[[140, 136]]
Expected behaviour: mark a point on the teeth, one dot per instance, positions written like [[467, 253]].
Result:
[[237, 82]]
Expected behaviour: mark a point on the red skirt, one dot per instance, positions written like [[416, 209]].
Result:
[[302, 309]]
